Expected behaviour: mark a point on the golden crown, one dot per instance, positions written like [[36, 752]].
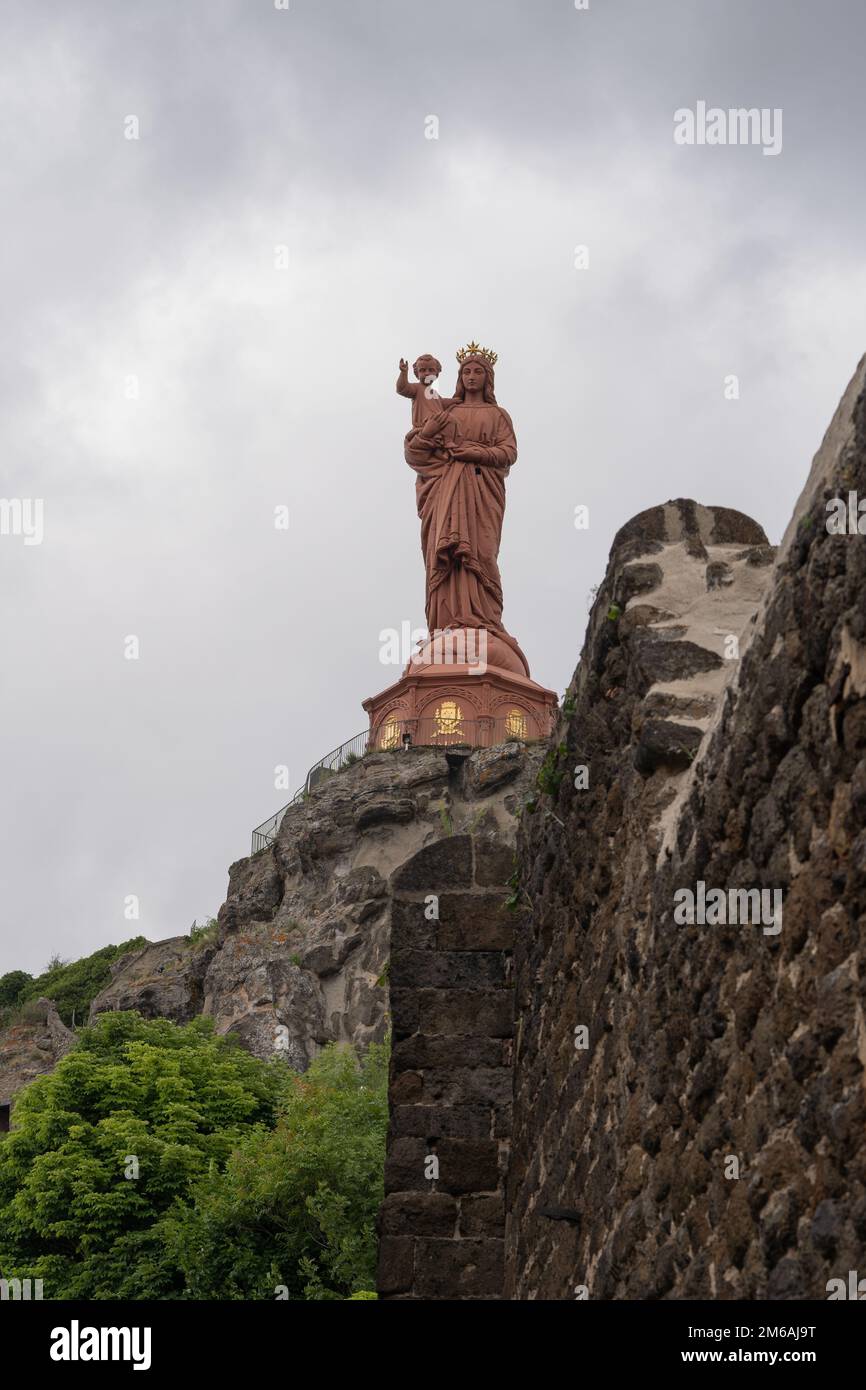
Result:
[[476, 350]]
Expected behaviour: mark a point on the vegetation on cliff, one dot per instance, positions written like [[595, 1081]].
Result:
[[70, 984], [165, 1162], [294, 1212]]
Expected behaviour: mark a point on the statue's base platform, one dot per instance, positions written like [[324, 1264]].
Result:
[[451, 704]]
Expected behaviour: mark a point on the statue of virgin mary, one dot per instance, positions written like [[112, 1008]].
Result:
[[462, 456]]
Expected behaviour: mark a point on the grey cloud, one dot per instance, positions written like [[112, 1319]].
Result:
[[155, 258]]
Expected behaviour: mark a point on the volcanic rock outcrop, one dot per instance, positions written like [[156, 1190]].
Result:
[[31, 1047], [301, 956]]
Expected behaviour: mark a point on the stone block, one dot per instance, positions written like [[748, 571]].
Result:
[[410, 929], [482, 1216], [440, 867], [494, 862], [418, 1214], [451, 1121], [447, 969], [457, 1269], [420, 1051], [396, 1264], [475, 922], [468, 1165], [467, 1011]]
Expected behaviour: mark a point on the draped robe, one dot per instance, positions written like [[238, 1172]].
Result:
[[461, 506]]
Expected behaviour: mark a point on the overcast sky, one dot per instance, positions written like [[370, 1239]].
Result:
[[154, 259]]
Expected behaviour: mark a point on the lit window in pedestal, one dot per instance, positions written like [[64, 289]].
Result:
[[449, 717], [515, 723], [389, 736]]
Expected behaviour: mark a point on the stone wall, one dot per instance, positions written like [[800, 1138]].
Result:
[[707, 1137], [443, 1220]]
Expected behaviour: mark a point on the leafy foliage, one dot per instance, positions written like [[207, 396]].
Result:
[[12, 986], [247, 1178], [552, 770], [176, 1099], [202, 933], [73, 985], [295, 1208]]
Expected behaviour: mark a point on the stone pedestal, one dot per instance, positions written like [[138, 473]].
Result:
[[463, 687]]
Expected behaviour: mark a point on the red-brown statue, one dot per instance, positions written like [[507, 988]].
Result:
[[462, 455], [461, 449]]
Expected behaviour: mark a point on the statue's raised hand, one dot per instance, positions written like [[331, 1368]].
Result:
[[404, 365]]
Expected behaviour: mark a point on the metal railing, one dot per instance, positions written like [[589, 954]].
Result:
[[344, 756], [390, 734]]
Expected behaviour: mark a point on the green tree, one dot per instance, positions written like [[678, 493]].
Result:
[[176, 1100], [12, 986], [295, 1208], [73, 984]]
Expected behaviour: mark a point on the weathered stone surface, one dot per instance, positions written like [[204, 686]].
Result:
[[396, 1264], [164, 979], [475, 922], [490, 768], [719, 574], [301, 955], [663, 743], [466, 1011], [659, 659], [461, 1269], [255, 890], [451, 970], [377, 810], [687, 523], [706, 1043], [256, 990], [421, 1051], [443, 1121], [450, 1086], [32, 1047], [482, 1216], [639, 579], [495, 860], [446, 864], [305, 931], [422, 1213]]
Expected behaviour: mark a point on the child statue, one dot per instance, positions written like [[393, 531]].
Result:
[[425, 399]]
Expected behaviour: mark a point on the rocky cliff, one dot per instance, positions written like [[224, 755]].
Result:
[[689, 1083], [31, 1047], [302, 951]]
